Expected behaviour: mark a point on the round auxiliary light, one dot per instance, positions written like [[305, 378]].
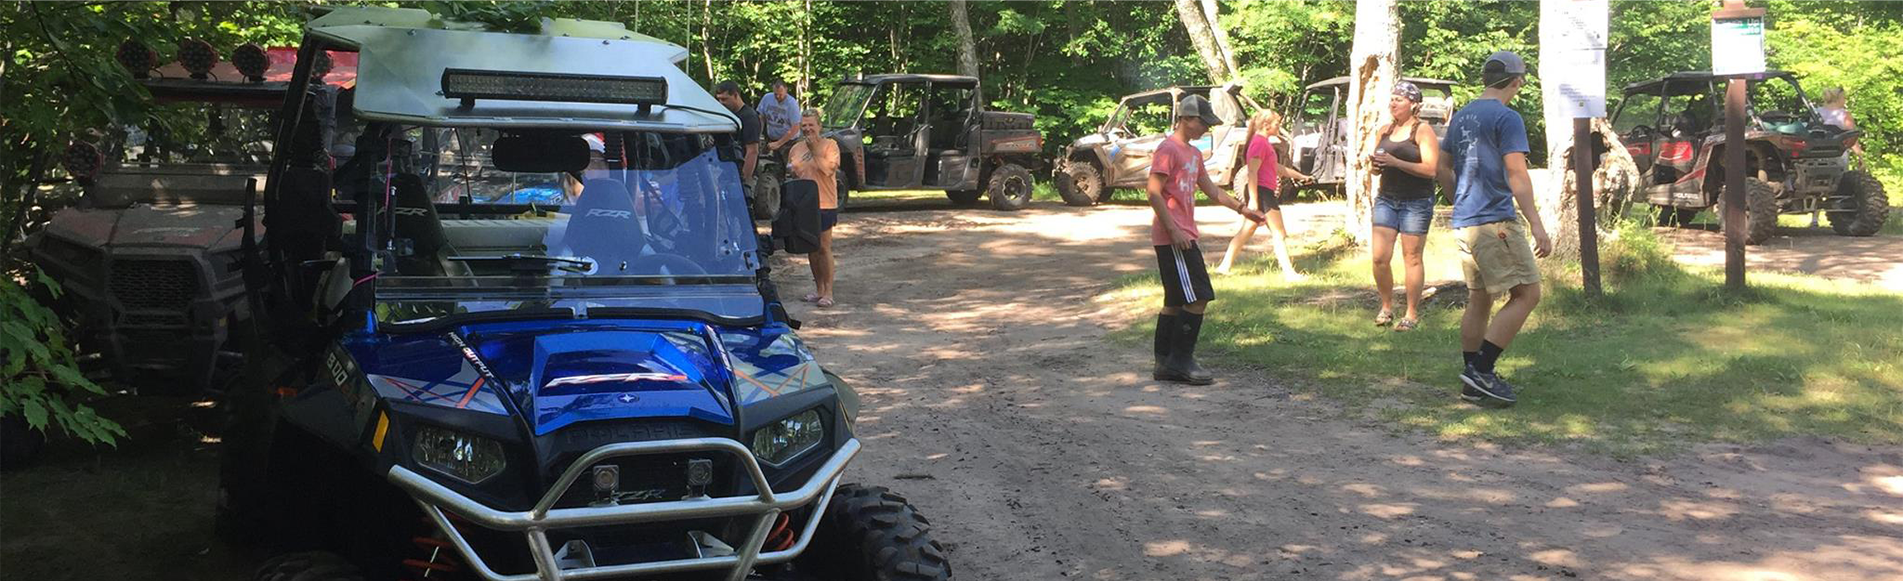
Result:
[[321, 66], [252, 61], [197, 57], [83, 161], [138, 58]]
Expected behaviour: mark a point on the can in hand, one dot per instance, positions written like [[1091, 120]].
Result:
[[1378, 151]]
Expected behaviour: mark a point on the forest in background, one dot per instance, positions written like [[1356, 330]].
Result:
[[1067, 61]]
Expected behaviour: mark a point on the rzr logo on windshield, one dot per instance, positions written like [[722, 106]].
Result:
[[610, 213], [613, 377], [402, 211]]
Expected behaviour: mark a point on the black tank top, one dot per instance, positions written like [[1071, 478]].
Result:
[[1397, 183]]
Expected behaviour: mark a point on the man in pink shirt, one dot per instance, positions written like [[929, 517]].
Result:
[[1176, 172]]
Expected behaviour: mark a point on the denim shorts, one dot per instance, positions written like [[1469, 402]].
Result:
[[1404, 216]]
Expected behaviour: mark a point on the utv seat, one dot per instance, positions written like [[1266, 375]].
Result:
[[603, 226], [415, 219]]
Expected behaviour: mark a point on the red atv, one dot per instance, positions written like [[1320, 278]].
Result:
[[1674, 128]]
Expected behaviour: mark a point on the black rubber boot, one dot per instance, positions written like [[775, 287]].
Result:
[[1182, 366], [1165, 339]]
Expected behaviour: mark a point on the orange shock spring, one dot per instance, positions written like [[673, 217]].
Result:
[[441, 561]]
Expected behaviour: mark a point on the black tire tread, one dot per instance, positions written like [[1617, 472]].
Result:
[[308, 566], [995, 187], [1080, 184], [1868, 198], [870, 533], [1760, 211]]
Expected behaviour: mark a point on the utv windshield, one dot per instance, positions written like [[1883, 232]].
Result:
[[667, 231], [843, 110]]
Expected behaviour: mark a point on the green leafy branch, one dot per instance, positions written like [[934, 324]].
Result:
[[39, 378]]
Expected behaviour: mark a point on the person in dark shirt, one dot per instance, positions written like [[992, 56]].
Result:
[[1483, 162], [728, 93], [1406, 159]]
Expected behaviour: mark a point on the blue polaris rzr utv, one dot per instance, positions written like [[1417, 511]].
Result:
[[488, 350]]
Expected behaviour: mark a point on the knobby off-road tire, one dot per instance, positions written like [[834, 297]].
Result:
[[1009, 187], [766, 198], [1081, 184], [1866, 204], [1760, 211], [311, 566], [870, 534], [964, 197]]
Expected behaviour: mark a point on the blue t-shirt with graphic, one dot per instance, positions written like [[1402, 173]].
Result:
[[1479, 137]]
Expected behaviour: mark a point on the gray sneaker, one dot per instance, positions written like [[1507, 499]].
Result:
[[1482, 387]]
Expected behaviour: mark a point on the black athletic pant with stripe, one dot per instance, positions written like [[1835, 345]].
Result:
[[1185, 277]]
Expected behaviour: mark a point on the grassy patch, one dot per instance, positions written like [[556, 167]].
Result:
[[1665, 359]]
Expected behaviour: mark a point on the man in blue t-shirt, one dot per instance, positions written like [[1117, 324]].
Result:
[[1483, 163]]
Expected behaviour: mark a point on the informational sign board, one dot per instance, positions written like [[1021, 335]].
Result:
[[1575, 31], [1737, 45]]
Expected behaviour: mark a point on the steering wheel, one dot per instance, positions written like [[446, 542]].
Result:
[[676, 264]]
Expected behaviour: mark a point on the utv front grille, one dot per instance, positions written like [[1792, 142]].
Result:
[[154, 284]]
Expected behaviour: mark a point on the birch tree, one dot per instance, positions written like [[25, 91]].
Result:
[[1371, 75], [1203, 36]]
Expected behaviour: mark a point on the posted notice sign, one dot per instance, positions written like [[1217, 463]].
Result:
[[1737, 45], [1576, 31]]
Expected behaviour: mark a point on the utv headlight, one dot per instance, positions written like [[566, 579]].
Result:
[[788, 438], [468, 458]]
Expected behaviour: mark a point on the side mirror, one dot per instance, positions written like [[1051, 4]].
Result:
[[540, 153]]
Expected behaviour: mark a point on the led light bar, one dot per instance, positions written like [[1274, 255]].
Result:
[[469, 85]]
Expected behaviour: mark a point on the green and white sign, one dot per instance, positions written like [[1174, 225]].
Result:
[[1737, 46]]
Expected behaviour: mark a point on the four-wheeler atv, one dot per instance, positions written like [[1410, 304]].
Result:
[[1118, 154], [146, 253], [909, 132], [1795, 163], [1320, 125], [479, 389]]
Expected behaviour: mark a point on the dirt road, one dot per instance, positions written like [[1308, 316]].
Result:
[[1041, 452], [1877, 259]]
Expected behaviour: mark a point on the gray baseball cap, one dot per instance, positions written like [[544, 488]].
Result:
[[1197, 106], [1505, 62]]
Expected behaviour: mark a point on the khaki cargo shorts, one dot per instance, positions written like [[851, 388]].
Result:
[[1496, 257]]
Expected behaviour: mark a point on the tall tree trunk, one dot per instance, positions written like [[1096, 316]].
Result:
[[1615, 181], [967, 48], [1371, 79], [806, 54], [1213, 13], [706, 38], [1204, 37]]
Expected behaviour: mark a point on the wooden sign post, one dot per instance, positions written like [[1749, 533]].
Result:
[[1737, 50]]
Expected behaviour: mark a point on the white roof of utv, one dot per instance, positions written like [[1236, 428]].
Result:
[[402, 54]]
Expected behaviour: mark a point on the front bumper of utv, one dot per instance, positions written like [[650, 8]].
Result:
[[439, 501]]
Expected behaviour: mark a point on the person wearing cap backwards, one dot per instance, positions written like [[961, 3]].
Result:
[[1406, 160], [1176, 172], [572, 181], [1483, 163]]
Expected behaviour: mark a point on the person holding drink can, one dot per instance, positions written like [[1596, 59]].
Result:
[[1404, 204]]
